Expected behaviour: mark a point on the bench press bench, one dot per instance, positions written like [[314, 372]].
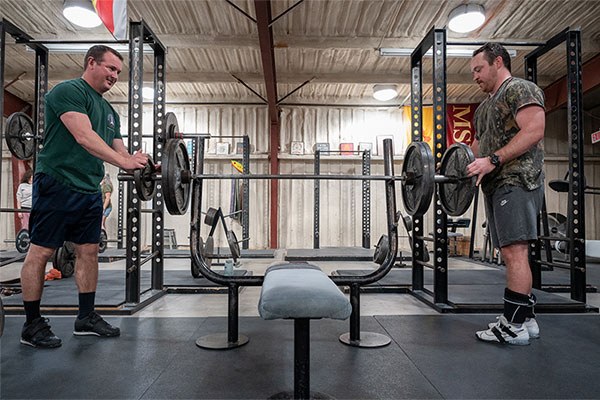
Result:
[[301, 291]]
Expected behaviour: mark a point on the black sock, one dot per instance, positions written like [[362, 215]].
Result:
[[86, 304], [516, 306], [32, 310]]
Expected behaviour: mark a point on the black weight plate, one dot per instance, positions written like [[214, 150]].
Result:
[[22, 241], [456, 196], [418, 185], [211, 216], [145, 186], [381, 250], [171, 126], [19, 136], [103, 241], [64, 259], [176, 189], [234, 246]]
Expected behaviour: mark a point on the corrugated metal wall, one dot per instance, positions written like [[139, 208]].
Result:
[[340, 201]]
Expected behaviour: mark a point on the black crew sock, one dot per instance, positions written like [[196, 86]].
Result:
[[86, 304], [32, 310], [516, 306]]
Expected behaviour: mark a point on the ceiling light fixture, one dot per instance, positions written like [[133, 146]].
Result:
[[385, 92], [466, 18], [81, 13]]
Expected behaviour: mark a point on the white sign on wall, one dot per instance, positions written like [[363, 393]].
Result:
[[596, 137]]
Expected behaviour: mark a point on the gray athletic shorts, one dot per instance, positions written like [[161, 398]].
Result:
[[512, 213]]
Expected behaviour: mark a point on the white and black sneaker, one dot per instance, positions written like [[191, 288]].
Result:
[[530, 323], [505, 333]]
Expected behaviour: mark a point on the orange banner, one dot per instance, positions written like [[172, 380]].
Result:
[[459, 123]]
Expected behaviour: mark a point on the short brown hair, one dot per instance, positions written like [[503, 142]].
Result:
[[491, 51], [97, 53]]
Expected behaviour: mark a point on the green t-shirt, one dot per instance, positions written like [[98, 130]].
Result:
[[64, 159], [495, 125]]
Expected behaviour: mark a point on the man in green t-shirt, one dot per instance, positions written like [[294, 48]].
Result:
[[82, 132], [509, 127]]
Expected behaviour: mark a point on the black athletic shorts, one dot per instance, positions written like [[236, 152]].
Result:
[[60, 214]]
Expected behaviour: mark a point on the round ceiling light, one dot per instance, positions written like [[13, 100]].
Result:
[[466, 18], [385, 92], [81, 13]]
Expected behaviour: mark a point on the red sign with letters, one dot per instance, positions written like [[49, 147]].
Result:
[[459, 123], [596, 137]]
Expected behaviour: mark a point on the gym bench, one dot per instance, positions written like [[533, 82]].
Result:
[[301, 291]]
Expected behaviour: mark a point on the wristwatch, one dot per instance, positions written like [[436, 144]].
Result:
[[495, 160]]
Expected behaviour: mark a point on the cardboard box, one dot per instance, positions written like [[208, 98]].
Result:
[[459, 245]]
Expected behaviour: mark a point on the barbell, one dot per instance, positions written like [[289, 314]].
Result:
[[418, 178]]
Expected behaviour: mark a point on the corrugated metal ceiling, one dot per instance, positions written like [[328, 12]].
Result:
[[332, 43]]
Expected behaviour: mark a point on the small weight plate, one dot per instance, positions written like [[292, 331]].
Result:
[[212, 217], [381, 250], [145, 185], [22, 241], [103, 241], [234, 246]]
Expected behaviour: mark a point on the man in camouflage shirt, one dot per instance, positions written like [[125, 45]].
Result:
[[509, 127]]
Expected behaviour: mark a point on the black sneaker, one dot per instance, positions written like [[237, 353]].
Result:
[[94, 325], [38, 334]]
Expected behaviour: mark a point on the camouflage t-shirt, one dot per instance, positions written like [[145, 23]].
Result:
[[495, 125]]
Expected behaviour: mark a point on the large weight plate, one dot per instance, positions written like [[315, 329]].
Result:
[[176, 187], [418, 185], [456, 196], [171, 126], [19, 136], [22, 241], [145, 185]]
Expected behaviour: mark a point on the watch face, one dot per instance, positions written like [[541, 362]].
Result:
[[494, 159]]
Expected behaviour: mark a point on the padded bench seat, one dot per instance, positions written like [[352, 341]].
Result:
[[301, 291]]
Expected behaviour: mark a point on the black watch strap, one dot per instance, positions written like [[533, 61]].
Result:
[[495, 160]]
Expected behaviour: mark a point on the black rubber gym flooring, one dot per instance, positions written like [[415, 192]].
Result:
[[430, 357]]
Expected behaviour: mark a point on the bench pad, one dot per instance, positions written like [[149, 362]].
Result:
[[301, 290]]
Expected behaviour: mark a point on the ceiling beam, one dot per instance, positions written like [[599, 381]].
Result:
[[556, 93], [267, 54], [291, 78], [313, 42]]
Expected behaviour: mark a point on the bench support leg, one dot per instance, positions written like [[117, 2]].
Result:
[[302, 358], [220, 341], [355, 337]]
